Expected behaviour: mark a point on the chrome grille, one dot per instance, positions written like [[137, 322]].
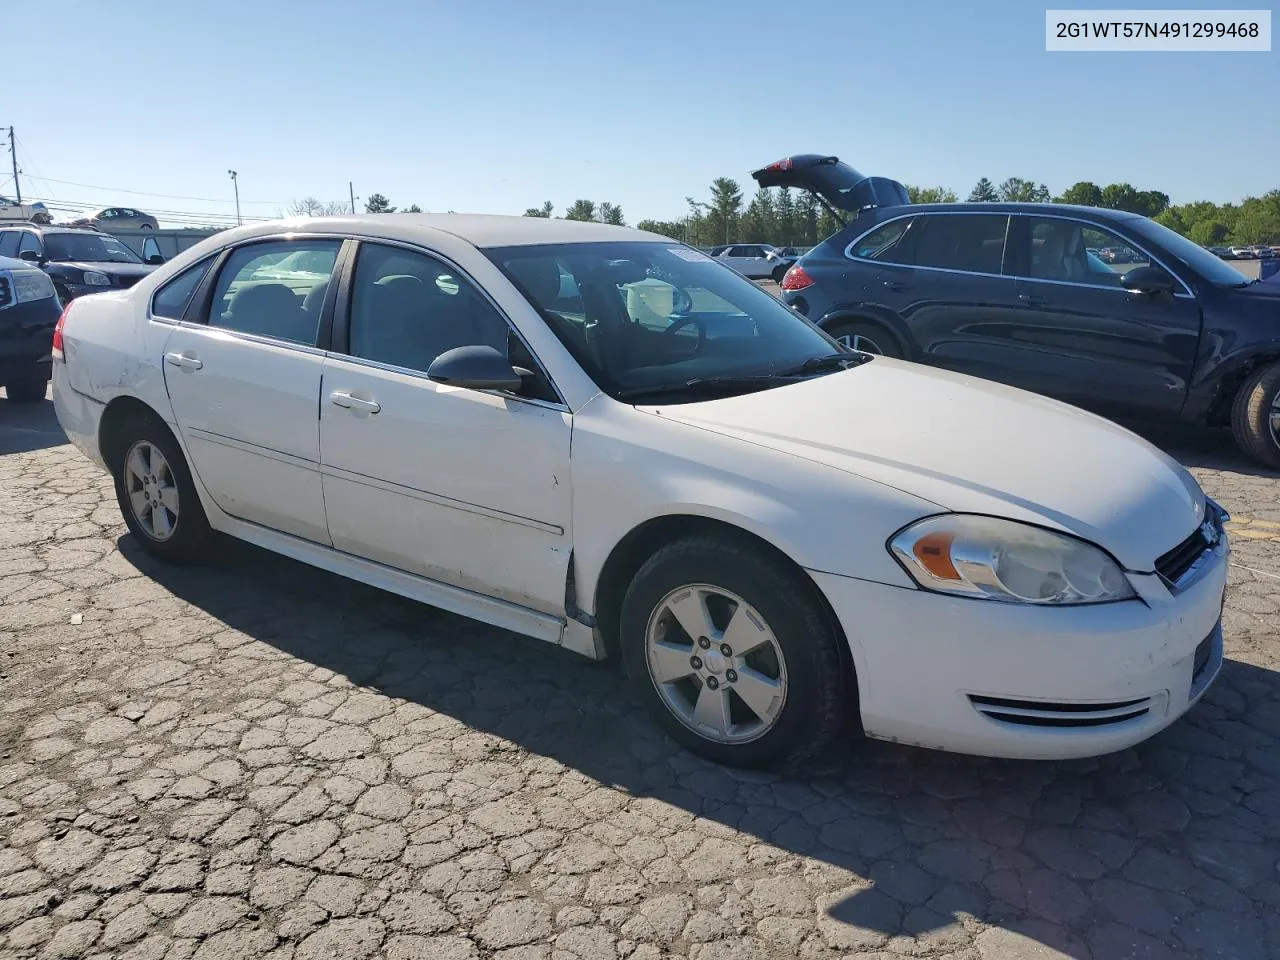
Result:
[[6, 292], [1040, 713]]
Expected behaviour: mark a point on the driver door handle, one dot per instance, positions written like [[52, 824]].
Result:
[[183, 361], [340, 398], [1030, 298], [893, 284]]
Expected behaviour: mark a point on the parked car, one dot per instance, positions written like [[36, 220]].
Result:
[[28, 312], [1222, 253], [756, 261], [119, 218], [607, 440], [1005, 291], [78, 261], [1243, 252], [1263, 252], [35, 212]]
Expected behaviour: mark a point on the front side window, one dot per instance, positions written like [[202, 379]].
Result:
[[171, 300], [253, 296], [649, 317], [969, 242], [1188, 253], [1074, 252], [408, 308], [90, 247], [886, 244]]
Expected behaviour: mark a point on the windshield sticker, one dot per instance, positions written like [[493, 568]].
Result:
[[684, 253]]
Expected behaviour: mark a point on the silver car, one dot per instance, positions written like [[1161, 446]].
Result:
[[757, 261], [121, 218]]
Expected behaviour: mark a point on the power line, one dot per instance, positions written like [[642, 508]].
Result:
[[166, 196]]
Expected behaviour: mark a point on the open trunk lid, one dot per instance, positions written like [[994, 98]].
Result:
[[833, 181]]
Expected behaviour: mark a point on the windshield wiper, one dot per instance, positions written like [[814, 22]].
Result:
[[709, 385], [830, 362]]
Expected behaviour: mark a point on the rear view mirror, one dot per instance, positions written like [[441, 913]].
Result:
[[1147, 280], [474, 367]]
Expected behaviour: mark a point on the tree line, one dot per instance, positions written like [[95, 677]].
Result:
[[795, 218]]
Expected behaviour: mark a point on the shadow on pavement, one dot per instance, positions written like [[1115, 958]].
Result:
[[1168, 849], [26, 427]]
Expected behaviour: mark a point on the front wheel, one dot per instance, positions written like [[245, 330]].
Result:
[[1255, 416], [732, 654], [157, 496], [28, 386], [866, 337]]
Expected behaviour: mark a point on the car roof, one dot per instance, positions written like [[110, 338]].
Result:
[[1048, 209], [13, 263], [41, 228], [480, 230]]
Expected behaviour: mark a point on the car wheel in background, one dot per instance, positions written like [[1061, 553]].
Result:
[[1255, 415], [733, 654], [28, 387], [146, 226], [156, 494], [867, 337]]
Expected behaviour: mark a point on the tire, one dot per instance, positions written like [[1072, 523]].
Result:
[[1255, 416], [799, 653], [145, 226], [867, 337], [28, 387], [189, 536]]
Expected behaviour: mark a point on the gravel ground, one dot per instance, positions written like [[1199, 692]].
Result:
[[257, 759]]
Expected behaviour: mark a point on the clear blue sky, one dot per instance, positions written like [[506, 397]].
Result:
[[487, 106]]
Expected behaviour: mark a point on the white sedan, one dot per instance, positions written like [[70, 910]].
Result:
[[604, 439]]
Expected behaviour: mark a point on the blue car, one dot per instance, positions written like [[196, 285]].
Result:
[[1157, 328]]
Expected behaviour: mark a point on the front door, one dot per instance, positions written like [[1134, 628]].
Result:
[[1083, 337], [466, 487], [243, 375]]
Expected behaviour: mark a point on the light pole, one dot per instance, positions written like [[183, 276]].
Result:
[[236, 186]]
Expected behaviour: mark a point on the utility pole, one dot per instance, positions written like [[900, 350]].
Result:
[[236, 185], [13, 153], [352, 190]]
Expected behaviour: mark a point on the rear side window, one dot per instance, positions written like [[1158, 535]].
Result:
[[971, 242], [9, 243], [275, 289], [886, 244], [171, 300]]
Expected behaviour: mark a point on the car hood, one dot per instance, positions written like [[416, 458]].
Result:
[[107, 266], [971, 445]]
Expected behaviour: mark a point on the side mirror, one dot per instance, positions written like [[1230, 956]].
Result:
[[1147, 280], [475, 367], [31, 256], [155, 259]]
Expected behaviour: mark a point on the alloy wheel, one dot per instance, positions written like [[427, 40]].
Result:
[[716, 663], [861, 342], [152, 490]]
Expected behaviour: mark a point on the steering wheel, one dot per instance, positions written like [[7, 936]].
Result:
[[681, 322]]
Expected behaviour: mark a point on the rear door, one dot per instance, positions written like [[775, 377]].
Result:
[[1080, 335], [243, 370], [941, 273]]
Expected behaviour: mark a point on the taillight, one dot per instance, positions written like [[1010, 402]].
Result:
[[57, 334], [796, 278]]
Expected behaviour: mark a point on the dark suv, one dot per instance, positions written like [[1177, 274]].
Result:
[[1157, 328], [78, 261], [28, 313]]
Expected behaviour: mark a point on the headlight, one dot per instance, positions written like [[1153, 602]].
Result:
[[992, 559], [31, 285], [95, 279]]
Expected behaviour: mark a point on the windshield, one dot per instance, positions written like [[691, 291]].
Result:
[[87, 246], [646, 317], [1190, 254]]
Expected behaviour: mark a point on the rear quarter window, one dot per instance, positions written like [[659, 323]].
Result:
[[886, 243], [171, 300]]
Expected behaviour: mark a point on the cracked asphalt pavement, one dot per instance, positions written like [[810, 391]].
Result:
[[258, 759]]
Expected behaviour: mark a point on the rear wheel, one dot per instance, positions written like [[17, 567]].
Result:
[[733, 655], [867, 337], [28, 386], [1255, 415], [156, 493]]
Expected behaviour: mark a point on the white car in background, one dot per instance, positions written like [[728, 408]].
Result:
[[600, 438], [34, 212]]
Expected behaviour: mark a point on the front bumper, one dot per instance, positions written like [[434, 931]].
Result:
[[1005, 680]]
